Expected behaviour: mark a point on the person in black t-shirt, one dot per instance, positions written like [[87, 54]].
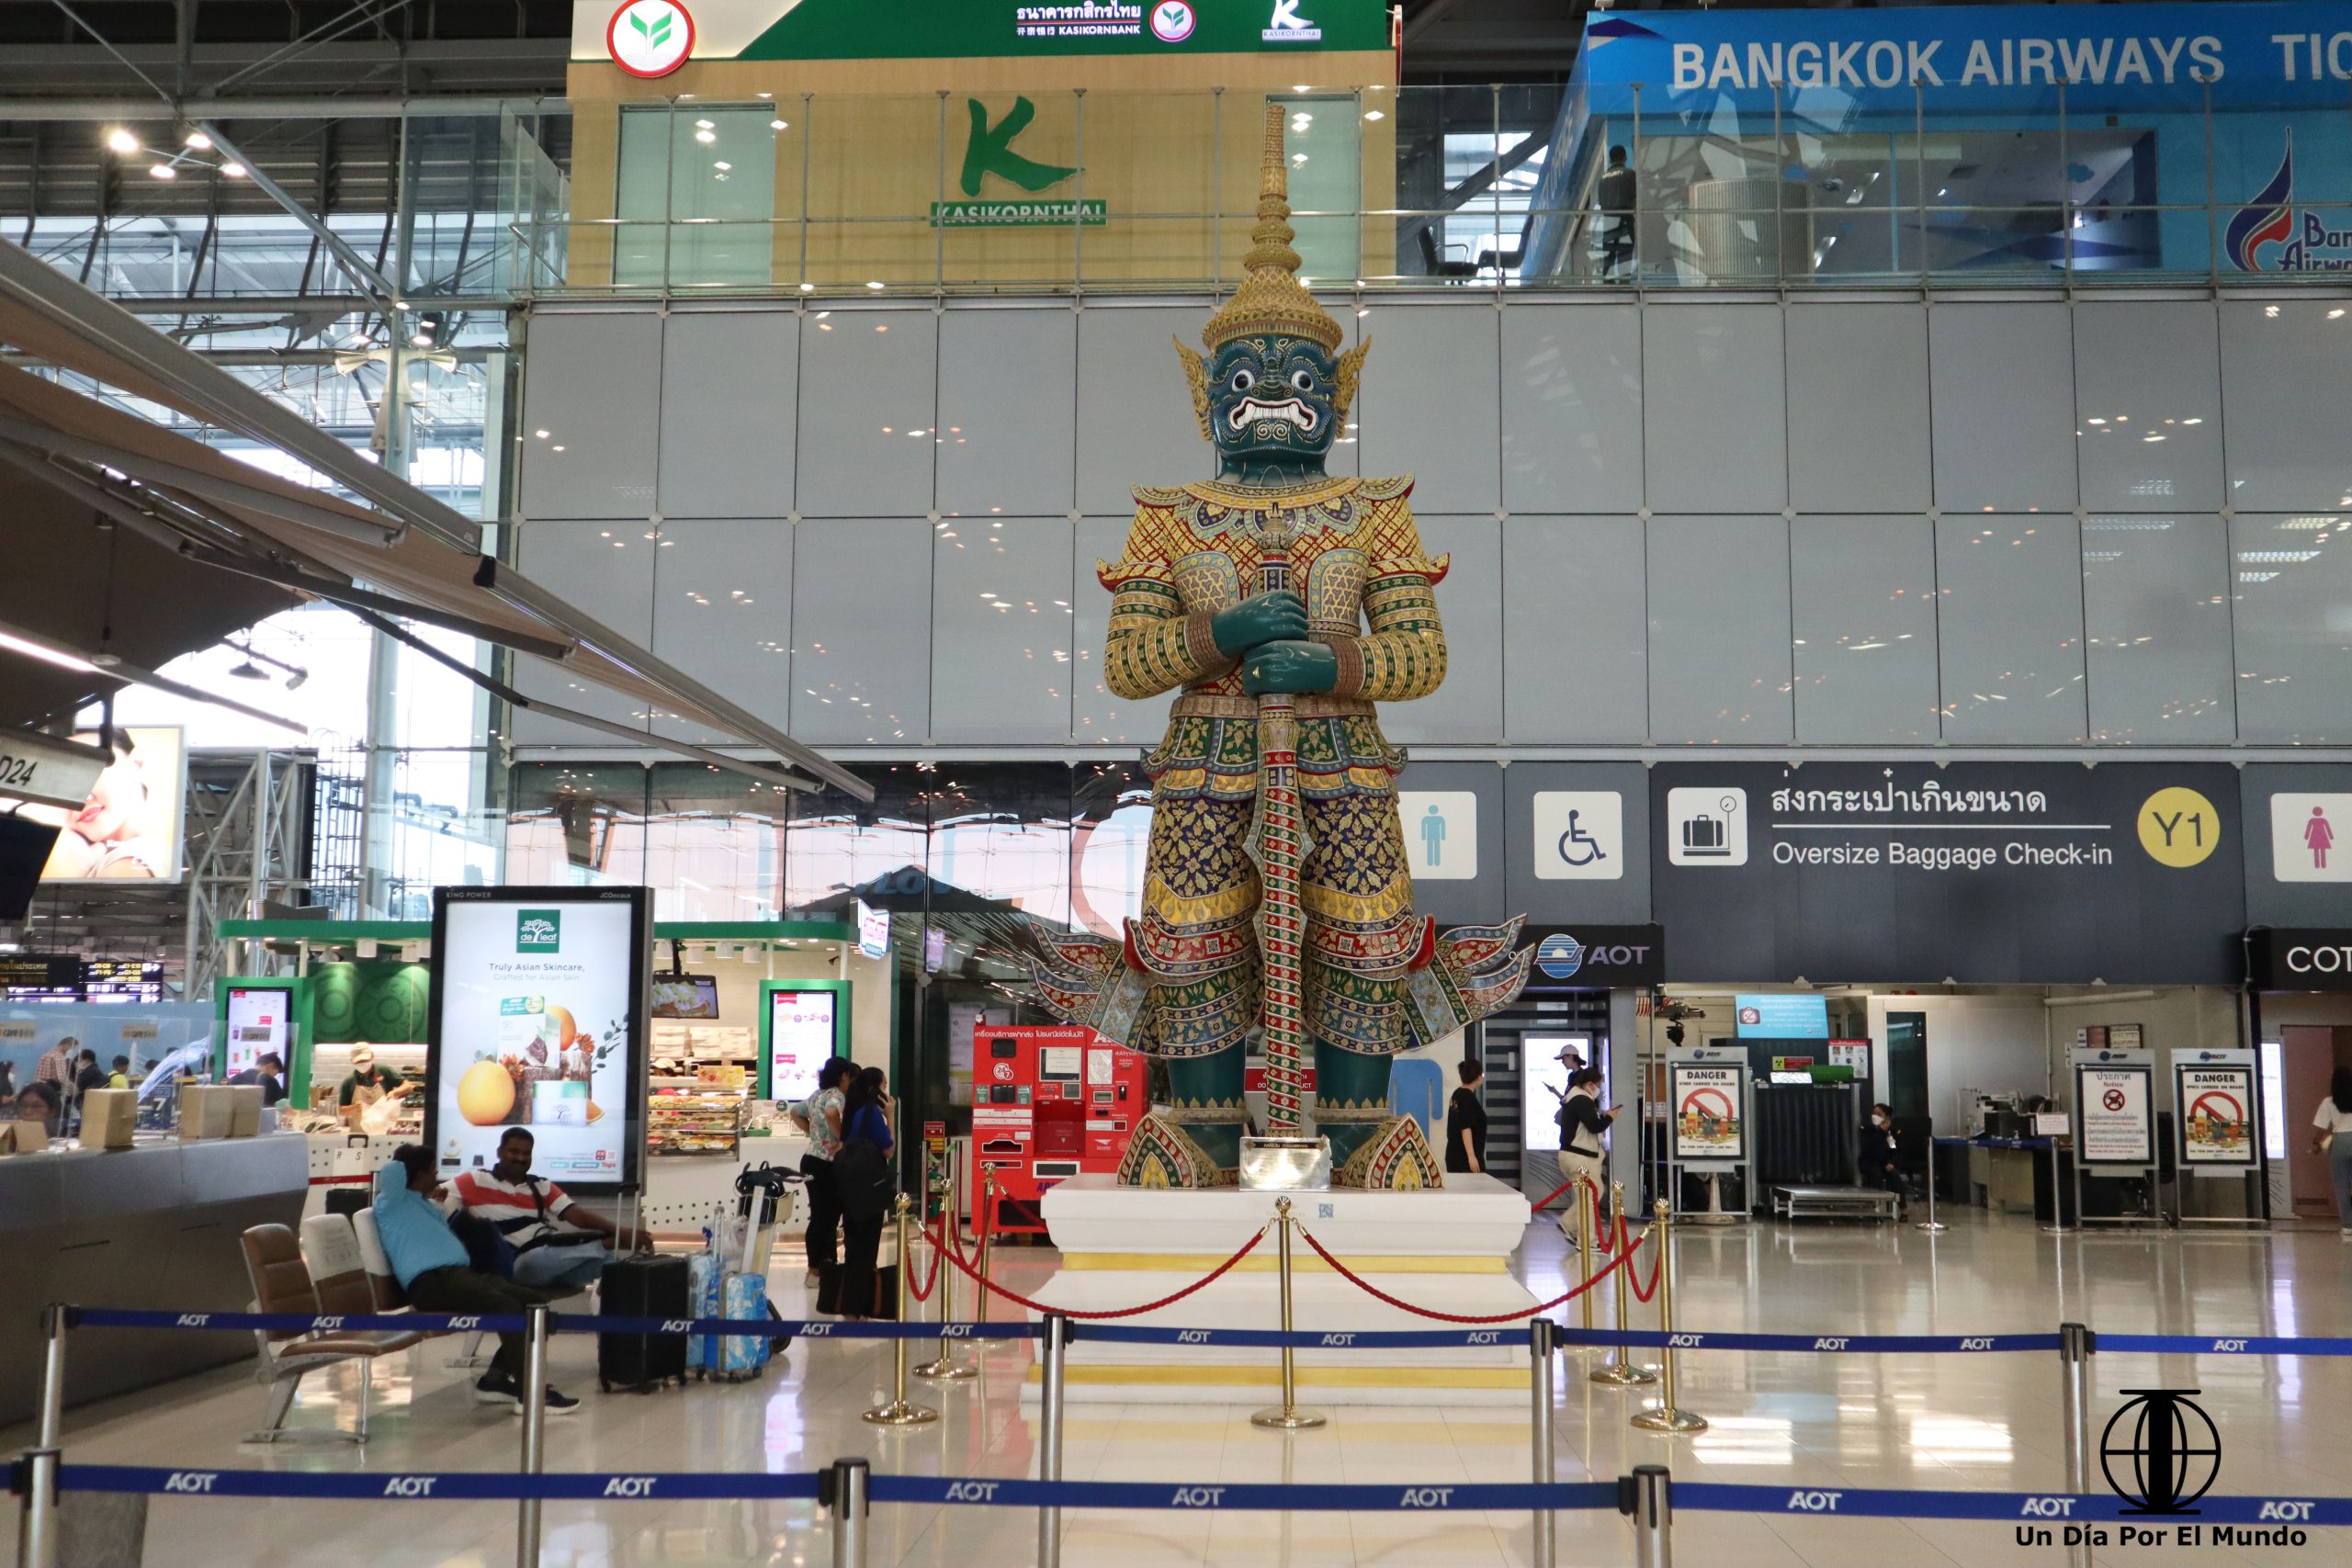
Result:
[[1465, 1123]]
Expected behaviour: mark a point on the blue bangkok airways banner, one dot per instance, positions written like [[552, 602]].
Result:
[[2272, 54]]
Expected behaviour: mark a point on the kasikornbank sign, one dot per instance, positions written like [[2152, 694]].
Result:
[[1983, 54], [652, 38], [1986, 873]]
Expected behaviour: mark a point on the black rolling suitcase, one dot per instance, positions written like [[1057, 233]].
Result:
[[643, 1286]]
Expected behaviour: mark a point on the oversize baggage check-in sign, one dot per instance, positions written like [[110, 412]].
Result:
[[1984, 872]]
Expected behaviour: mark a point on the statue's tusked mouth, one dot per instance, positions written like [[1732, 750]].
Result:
[[1289, 411]]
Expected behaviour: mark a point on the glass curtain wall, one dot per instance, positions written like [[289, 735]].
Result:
[[1061, 843]]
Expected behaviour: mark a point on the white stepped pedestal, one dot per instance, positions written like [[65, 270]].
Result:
[[1449, 1250]]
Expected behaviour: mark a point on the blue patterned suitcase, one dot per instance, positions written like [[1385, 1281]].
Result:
[[741, 1356], [702, 1299]]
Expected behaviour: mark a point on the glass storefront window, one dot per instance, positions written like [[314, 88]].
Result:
[[1325, 177], [709, 172]]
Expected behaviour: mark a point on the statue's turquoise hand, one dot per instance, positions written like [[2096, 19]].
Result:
[[1290, 667], [1268, 617]]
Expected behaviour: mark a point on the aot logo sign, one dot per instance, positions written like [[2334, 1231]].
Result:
[[649, 38]]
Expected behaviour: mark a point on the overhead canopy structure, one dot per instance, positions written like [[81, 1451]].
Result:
[[204, 544]]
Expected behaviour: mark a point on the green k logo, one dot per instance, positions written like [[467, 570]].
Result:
[[990, 152], [655, 34]]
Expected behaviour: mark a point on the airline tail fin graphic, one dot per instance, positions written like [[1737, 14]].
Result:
[[2268, 219]]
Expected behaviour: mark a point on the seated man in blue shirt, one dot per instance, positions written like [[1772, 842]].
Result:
[[431, 1264]]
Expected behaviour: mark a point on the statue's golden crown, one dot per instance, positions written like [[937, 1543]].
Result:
[[1271, 299]]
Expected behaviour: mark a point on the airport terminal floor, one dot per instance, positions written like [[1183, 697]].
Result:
[[1815, 1421]]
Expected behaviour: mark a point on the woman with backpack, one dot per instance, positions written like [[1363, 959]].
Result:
[[863, 1178]]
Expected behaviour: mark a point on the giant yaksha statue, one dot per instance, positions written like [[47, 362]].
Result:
[[1285, 603]]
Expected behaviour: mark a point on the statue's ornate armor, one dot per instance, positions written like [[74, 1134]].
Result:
[[1367, 584]]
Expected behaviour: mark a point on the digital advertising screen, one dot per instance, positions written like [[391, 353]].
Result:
[[803, 1029], [2115, 1120], [260, 1019], [129, 829], [1770, 1017], [685, 996], [539, 1021]]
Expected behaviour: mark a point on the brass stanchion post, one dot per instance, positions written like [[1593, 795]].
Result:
[[944, 1366], [984, 1214], [899, 1412], [1588, 1199], [1290, 1418], [1667, 1416], [1621, 1369]]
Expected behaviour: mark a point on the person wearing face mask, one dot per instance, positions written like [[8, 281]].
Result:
[[1583, 1121], [1880, 1163]]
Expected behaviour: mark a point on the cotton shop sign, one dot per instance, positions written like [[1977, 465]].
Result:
[[2292, 959]]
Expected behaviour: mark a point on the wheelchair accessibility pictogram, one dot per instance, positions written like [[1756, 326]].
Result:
[[1579, 847]]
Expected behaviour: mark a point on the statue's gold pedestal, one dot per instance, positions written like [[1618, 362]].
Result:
[[1448, 1250]]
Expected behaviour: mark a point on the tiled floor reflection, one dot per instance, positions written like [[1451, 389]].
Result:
[[1953, 1422]]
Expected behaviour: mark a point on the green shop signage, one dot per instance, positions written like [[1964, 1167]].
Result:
[[964, 30], [989, 151]]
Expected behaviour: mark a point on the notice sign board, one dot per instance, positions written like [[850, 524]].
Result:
[[1987, 872], [539, 1021], [2216, 1111], [2115, 1118], [1710, 1111]]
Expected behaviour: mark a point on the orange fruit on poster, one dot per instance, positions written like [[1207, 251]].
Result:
[[485, 1094]]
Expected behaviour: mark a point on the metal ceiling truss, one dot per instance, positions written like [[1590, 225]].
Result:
[[202, 391]]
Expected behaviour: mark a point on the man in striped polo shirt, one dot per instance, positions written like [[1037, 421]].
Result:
[[524, 1209]]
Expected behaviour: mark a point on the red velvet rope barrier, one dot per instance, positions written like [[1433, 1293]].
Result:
[[922, 1293], [1360, 1282], [1641, 1293], [1545, 1201], [1211, 1278]]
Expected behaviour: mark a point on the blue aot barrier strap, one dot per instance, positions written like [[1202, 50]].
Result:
[[1831, 1344], [2048, 1508], [1302, 1339], [2223, 1344], [1136, 1334], [421, 1485], [1560, 1497], [449, 1323], [2026, 1507]]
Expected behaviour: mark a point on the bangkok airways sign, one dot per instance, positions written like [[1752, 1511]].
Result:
[[1984, 56], [2270, 233]]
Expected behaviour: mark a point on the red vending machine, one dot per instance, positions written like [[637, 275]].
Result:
[[1050, 1102]]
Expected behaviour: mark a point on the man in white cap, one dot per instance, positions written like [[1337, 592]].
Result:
[[366, 1083]]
